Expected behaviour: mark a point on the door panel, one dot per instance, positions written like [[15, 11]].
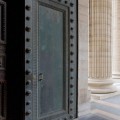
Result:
[[51, 59], [51, 80]]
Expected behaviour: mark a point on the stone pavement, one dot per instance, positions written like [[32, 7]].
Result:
[[105, 109], [94, 117]]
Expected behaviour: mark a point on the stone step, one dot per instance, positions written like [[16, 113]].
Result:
[[108, 107]]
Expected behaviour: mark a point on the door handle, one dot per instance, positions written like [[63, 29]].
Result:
[[40, 77]]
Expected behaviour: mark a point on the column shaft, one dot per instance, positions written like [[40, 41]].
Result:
[[100, 55]]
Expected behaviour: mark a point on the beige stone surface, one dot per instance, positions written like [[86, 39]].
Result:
[[100, 49], [104, 96], [83, 26]]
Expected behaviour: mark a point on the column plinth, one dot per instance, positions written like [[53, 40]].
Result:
[[100, 47], [101, 86]]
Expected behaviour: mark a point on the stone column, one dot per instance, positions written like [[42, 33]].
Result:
[[116, 39], [100, 55]]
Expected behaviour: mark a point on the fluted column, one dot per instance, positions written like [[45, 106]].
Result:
[[100, 55], [116, 39]]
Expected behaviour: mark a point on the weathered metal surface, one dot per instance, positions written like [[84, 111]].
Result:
[[50, 60], [3, 90], [51, 63]]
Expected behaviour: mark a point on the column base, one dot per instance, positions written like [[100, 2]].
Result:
[[116, 76], [101, 86]]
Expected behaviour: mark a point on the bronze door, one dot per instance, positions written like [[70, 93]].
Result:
[[51, 59]]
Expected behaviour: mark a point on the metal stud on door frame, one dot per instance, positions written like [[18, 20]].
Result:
[[28, 60], [73, 60]]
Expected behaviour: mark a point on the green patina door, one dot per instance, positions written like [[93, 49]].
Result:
[[51, 59]]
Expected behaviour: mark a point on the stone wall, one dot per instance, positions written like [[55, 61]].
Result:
[[83, 22]]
